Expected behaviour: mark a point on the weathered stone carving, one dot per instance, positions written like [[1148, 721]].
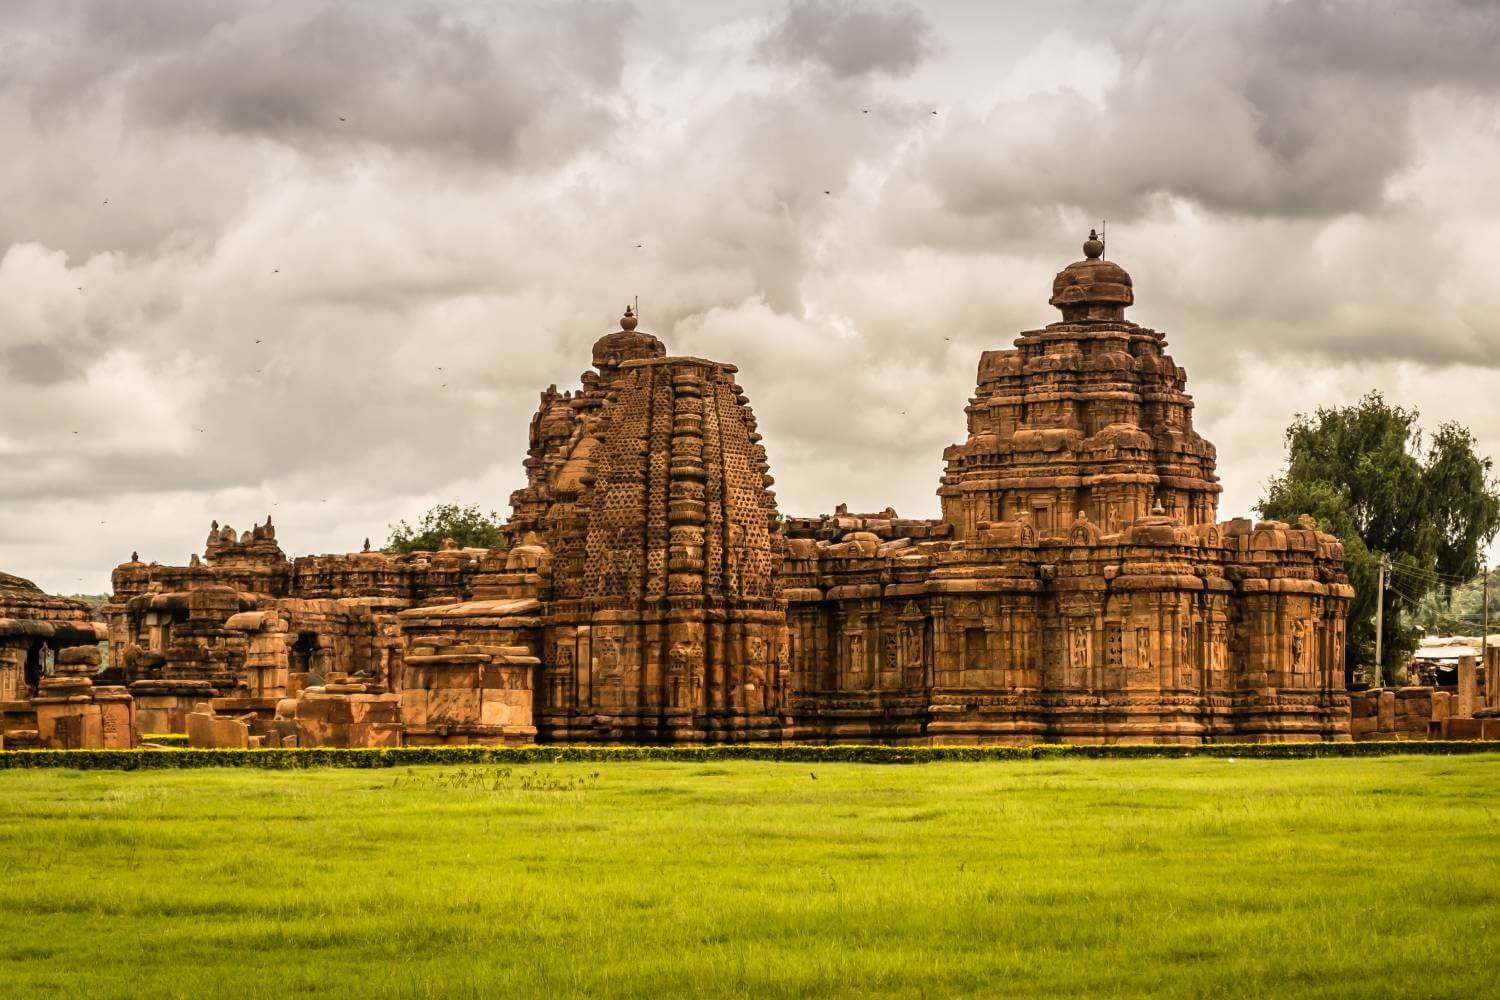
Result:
[[649, 487]]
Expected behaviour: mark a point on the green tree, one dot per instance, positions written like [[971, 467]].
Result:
[[469, 526], [1364, 473]]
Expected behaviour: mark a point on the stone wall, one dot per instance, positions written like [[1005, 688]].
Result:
[[1416, 713], [1464, 711]]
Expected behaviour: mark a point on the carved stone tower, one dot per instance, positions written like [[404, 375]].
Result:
[[649, 489], [1088, 414]]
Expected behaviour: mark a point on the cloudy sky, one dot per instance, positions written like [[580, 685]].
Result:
[[317, 258]]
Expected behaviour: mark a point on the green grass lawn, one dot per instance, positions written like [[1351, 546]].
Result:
[[1329, 878]]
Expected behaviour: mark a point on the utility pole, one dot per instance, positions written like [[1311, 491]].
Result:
[[1484, 639], [1380, 624]]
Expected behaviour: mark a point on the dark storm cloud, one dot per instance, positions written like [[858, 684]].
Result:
[[516, 83], [39, 364], [1299, 109], [1393, 44], [850, 37]]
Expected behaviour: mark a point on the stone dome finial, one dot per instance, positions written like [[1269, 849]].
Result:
[[1092, 289], [625, 344]]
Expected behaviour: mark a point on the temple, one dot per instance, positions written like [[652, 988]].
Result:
[[1077, 586]]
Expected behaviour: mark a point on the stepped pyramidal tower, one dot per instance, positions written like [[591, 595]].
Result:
[[1087, 417]]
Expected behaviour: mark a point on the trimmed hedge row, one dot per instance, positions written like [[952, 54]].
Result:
[[289, 759]]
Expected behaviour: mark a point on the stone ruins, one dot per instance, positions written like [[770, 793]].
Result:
[[49, 655], [1078, 586]]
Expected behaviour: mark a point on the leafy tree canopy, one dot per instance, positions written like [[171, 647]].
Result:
[[1365, 474], [469, 526]]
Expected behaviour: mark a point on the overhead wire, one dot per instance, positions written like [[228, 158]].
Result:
[[1437, 617], [1431, 575]]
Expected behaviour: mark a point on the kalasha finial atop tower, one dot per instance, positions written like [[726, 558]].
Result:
[[1093, 288], [1093, 247], [625, 344]]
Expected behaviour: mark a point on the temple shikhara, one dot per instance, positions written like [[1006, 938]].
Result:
[[1077, 587]]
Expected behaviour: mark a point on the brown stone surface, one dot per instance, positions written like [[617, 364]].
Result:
[[648, 529], [1468, 700]]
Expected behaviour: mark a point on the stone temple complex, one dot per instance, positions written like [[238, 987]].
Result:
[[1077, 586]]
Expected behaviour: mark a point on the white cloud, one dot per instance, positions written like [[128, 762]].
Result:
[[1304, 219]]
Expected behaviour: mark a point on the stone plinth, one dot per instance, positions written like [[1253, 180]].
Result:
[[17, 725], [350, 720], [469, 672], [72, 714], [207, 731], [162, 706]]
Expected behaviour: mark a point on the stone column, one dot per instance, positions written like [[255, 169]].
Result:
[[1492, 680], [1468, 688]]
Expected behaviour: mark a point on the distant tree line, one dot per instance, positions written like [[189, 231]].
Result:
[[469, 526]]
